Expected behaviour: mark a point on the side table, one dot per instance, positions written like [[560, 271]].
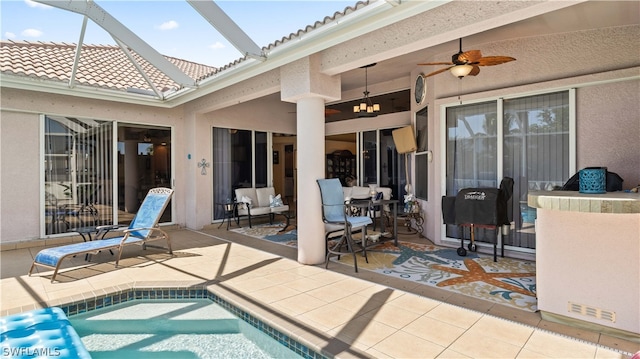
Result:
[[99, 231], [229, 211]]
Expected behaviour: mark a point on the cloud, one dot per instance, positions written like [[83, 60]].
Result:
[[36, 5], [31, 33], [217, 45], [9, 35], [169, 25]]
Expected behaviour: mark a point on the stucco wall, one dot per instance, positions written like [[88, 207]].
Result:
[[608, 129], [19, 165]]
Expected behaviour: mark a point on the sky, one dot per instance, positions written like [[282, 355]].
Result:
[[172, 27]]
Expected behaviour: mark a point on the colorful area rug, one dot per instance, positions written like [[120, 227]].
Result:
[[508, 281]]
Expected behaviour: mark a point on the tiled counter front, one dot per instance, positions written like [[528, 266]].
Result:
[[588, 258]]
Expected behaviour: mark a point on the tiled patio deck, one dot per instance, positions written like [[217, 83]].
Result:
[[336, 311]]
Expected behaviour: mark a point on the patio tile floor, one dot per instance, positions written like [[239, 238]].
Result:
[[337, 311]]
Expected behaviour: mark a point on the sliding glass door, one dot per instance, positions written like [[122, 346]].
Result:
[[79, 173], [381, 162], [239, 161], [536, 154], [528, 140], [144, 162]]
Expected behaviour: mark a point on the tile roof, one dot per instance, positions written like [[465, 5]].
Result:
[[108, 67], [103, 66]]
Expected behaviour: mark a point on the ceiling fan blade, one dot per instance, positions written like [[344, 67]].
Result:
[[436, 63], [330, 111], [475, 71], [438, 71], [470, 56], [493, 60]]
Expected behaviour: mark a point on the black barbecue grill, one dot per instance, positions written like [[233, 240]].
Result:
[[479, 208]]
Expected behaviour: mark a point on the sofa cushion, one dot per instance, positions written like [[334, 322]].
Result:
[[359, 192], [263, 196], [256, 211], [279, 209]]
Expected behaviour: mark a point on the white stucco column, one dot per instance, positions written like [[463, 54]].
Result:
[[303, 82], [189, 173], [310, 167]]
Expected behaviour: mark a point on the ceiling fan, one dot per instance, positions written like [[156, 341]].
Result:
[[467, 63]]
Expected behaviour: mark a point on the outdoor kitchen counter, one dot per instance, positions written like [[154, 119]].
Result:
[[573, 201], [588, 259]]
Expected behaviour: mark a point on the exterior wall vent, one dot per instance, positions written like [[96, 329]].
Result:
[[592, 312]]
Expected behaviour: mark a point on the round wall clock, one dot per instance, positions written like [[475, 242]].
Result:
[[421, 89]]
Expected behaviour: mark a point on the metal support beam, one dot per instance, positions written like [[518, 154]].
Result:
[[228, 28], [76, 58], [116, 29], [139, 68]]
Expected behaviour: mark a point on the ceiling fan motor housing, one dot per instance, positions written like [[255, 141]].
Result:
[[455, 59]]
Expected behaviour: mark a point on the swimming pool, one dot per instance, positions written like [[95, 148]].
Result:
[[159, 291], [185, 328]]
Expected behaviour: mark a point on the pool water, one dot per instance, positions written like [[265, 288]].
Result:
[[189, 328]]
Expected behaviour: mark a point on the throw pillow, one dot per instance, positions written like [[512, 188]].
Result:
[[246, 202], [275, 201]]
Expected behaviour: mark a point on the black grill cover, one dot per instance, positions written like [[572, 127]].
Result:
[[449, 209], [481, 206]]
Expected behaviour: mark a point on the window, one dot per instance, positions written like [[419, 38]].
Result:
[[422, 156], [370, 157]]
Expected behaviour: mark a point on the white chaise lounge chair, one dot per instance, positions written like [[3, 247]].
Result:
[[143, 228]]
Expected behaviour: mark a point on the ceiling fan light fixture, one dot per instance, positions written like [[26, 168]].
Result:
[[461, 71]]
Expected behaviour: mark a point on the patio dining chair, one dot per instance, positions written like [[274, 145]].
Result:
[[143, 229], [56, 215], [336, 216]]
